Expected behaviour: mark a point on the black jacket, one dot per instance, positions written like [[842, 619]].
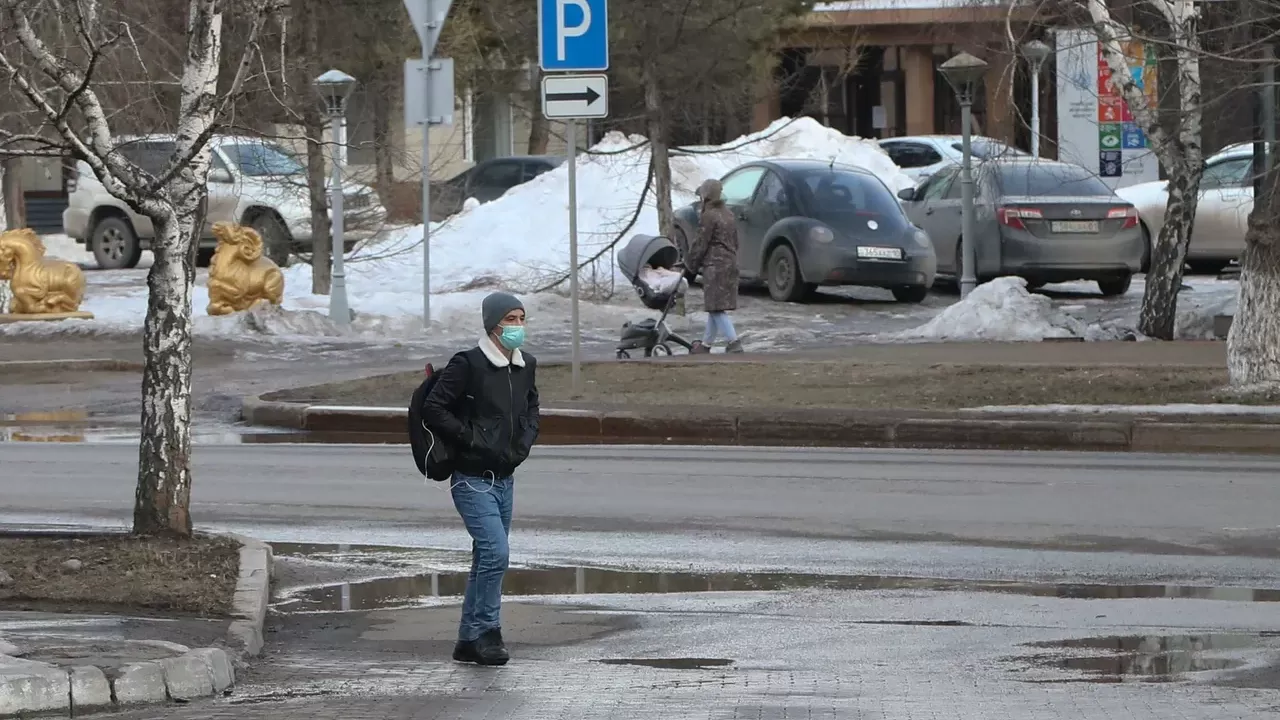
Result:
[[488, 407]]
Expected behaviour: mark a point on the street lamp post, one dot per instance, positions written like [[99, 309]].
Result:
[[334, 88], [1036, 53], [962, 73]]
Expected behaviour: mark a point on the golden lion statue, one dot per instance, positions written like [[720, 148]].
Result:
[[38, 286], [239, 276]]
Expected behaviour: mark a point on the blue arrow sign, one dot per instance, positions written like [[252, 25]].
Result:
[[573, 35]]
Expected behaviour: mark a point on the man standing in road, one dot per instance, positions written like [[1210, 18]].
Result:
[[486, 403]]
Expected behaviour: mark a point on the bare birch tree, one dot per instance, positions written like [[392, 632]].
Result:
[[1180, 152], [1253, 343], [57, 79]]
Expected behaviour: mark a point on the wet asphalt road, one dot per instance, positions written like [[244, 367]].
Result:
[[1118, 502], [894, 653]]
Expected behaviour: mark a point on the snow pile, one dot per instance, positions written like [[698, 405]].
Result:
[[1196, 314], [518, 242], [1001, 310], [521, 240]]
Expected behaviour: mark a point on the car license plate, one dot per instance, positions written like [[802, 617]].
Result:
[[1074, 226], [880, 253]]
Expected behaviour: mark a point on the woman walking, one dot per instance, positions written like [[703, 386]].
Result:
[[486, 403], [715, 255]]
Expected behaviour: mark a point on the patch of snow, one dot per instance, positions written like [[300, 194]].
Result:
[[470, 204], [1196, 313], [1168, 409], [522, 238], [518, 242], [1001, 310]]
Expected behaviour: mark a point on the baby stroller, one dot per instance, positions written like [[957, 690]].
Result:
[[652, 266]]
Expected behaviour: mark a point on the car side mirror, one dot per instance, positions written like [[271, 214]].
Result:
[[907, 194], [220, 175]]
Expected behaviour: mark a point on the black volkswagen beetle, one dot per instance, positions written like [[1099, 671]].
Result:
[[805, 223]]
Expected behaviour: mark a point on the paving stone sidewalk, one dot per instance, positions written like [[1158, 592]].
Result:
[[343, 689]]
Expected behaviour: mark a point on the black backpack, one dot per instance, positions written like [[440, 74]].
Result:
[[434, 456]]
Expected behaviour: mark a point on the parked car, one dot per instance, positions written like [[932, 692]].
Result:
[[805, 223], [488, 180], [1042, 220], [920, 156], [1222, 212], [251, 181]]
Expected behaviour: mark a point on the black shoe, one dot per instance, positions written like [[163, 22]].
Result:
[[490, 650], [465, 651]]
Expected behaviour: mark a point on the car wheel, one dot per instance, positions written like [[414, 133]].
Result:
[[115, 244], [910, 293], [275, 237], [785, 283], [1206, 267], [1111, 287], [682, 242]]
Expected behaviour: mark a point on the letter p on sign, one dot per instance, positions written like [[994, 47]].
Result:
[[573, 35], [563, 30]]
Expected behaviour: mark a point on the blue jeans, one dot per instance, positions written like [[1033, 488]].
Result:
[[718, 322], [485, 507]]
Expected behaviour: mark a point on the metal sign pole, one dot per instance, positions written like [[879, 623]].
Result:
[[572, 137], [426, 201], [426, 194]]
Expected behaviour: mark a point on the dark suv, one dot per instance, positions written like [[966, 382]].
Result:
[[488, 180]]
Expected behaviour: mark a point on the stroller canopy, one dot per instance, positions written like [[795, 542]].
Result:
[[641, 250]]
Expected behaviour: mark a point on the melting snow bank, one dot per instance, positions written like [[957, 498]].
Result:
[[1196, 314], [1171, 409], [455, 317], [522, 238], [1002, 310]]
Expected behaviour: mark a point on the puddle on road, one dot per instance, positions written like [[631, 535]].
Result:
[[671, 663], [1149, 658], [410, 590]]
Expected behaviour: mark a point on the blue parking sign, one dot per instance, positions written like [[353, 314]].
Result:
[[573, 35]]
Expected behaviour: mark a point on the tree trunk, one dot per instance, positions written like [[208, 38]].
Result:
[[539, 132], [321, 231], [1253, 345], [1169, 250], [15, 205], [1180, 154], [163, 496], [383, 142], [657, 131], [539, 128]]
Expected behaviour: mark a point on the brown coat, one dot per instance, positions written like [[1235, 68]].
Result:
[[715, 255]]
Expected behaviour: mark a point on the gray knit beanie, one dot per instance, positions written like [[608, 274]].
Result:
[[496, 306]]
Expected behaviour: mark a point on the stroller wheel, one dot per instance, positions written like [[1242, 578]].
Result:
[[662, 349], [624, 355]]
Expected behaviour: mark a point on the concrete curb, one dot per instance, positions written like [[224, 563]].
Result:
[[36, 688], [821, 428], [89, 364], [28, 687], [246, 635]]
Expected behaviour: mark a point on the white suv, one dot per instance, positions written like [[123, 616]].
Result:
[[252, 181]]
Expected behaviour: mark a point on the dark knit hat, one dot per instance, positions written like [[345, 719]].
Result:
[[496, 306]]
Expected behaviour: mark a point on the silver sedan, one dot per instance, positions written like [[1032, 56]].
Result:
[[1042, 220]]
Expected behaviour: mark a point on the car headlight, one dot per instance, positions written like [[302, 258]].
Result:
[[821, 234], [922, 238]]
